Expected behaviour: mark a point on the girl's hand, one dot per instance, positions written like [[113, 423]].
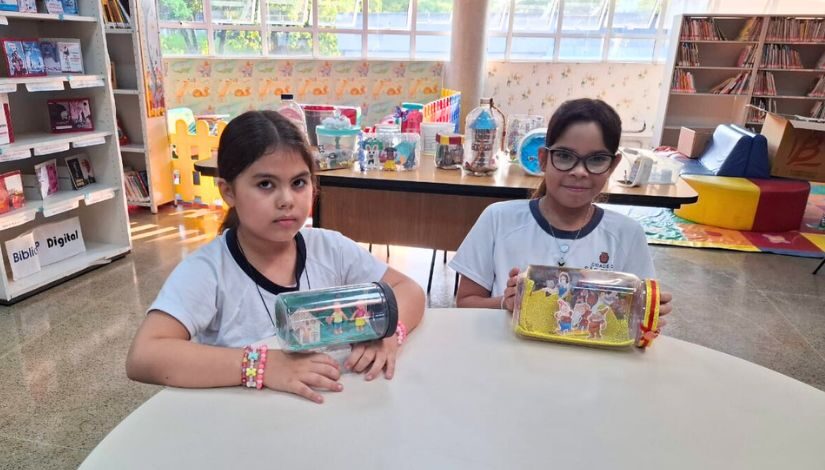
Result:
[[301, 373], [374, 356], [665, 307], [509, 302]]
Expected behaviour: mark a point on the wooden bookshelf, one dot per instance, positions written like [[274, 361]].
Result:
[[717, 61], [100, 207]]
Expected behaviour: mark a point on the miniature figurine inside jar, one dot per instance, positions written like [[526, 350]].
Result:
[[449, 153]]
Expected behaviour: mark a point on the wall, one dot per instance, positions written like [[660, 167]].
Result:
[[539, 88], [232, 86]]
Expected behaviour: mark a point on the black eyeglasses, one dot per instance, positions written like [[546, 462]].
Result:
[[566, 160]]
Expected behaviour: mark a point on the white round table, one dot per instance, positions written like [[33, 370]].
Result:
[[469, 394]]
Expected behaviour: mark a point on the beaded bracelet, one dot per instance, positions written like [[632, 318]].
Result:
[[253, 366], [401, 333]]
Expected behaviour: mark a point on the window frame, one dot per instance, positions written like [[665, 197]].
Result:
[[315, 29], [660, 37]]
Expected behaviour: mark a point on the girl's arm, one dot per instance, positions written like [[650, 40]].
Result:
[[410, 297], [162, 354], [375, 356], [471, 295]]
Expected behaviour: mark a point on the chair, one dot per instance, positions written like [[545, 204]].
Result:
[[432, 268], [732, 151]]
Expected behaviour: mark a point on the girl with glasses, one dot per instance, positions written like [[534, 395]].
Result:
[[561, 225]]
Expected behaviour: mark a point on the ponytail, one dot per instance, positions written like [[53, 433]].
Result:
[[230, 220], [541, 191]]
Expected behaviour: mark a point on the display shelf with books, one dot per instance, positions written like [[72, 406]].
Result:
[[138, 98], [780, 67], [61, 176]]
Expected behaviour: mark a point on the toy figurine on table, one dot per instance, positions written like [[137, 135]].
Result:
[[360, 316], [370, 152], [317, 319], [586, 307], [388, 157], [337, 318]]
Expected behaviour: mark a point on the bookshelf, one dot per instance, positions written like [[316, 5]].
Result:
[[148, 147], [716, 48], [100, 207]]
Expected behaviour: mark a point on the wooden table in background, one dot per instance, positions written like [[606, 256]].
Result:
[[433, 208]]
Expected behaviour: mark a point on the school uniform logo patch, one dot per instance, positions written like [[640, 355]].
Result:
[[604, 263]]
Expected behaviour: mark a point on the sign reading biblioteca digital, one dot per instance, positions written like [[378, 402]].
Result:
[[45, 245]]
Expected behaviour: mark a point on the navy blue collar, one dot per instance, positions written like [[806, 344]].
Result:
[[257, 276], [591, 225]]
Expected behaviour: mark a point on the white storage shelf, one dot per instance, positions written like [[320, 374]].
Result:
[[17, 16], [100, 207], [148, 148], [96, 254]]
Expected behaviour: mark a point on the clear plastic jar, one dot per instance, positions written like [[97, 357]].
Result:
[[485, 127], [337, 148], [316, 319], [518, 125], [390, 151], [586, 307], [449, 154]]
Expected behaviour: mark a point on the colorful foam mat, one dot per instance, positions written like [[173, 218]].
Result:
[[663, 227]]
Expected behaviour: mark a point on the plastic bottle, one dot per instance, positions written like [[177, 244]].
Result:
[[291, 110]]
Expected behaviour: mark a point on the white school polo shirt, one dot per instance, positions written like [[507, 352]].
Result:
[[212, 291], [514, 234]]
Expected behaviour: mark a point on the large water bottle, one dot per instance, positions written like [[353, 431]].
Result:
[[291, 110]]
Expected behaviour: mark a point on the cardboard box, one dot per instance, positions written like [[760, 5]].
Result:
[[692, 142], [796, 148]]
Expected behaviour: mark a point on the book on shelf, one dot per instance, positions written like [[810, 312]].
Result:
[[820, 64], [776, 56], [46, 174], [796, 29], [27, 6], [6, 129], [61, 55], [70, 115], [765, 84], [732, 86], [9, 5], [116, 13], [11, 191], [701, 29], [683, 82], [80, 169], [751, 30], [818, 88], [22, 58], [136, 184], [688, 55], [818, 110], [54, 7], [764, 105], [746, 57]]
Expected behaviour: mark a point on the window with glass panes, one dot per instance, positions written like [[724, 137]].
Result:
[[583, 30], [402, 29]]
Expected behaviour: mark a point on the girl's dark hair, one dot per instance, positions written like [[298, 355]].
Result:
[[252, 135], [583, 110]]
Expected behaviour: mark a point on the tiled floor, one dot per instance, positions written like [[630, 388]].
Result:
[[62, 380]]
